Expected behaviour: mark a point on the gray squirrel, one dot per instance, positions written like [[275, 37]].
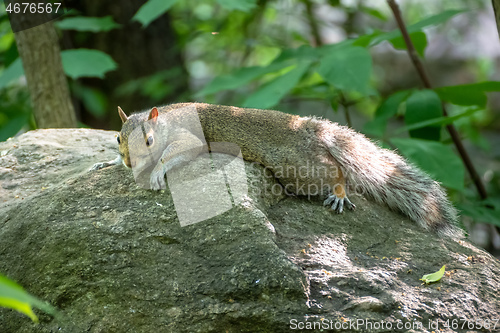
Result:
[[326, 153]]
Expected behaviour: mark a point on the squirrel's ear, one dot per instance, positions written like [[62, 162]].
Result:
[[153, 114], [122, 114]]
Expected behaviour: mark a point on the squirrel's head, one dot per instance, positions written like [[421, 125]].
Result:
[[137, 135]]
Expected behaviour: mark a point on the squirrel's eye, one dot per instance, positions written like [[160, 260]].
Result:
[[118, 139], [149, 142]]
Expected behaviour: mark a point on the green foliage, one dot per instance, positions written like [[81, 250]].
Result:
[[418, 38], [387, 109], [378, 36], [92, 24], [480, 212], [272, 92], [151, 10], [468, 94], [93, 99], [239, 78], [242, 5], [14, 71], [435, 158], [423, 105], [15, 111], [154, 86], [347, 68], [86, 63], [13, 296], [438, 121], [76, 63]]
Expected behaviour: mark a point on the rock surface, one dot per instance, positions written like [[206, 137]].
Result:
[[113, 257]]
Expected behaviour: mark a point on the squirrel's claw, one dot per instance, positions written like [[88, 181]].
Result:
[[338, 204], [157, 180]]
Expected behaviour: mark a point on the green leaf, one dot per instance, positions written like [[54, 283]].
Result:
[[435, 158], [13, 296], [304, 52], [272, 92], [76, 63], [93, 24], [13, 126], [241, 5], [434, 277], [240, 78], [86, 63], [441, 121], [14, 71], [423, 105], [386, 110], [374, 12], [418, 38], [347, 68], [93, 99], [427, 22], [481, 214], [151, 10], [468, 94]]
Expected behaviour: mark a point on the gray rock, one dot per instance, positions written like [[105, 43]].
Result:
[[113, 257]]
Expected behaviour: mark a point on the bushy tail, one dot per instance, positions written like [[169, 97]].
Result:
[[388, 178]]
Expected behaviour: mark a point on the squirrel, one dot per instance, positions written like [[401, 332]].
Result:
[[328, 156]]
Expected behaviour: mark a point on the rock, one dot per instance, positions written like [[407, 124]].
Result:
[[113, 257]]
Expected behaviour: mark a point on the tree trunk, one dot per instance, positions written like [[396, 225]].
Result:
[[139, 52], [39, 50]]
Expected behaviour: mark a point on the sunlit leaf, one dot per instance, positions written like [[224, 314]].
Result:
[[272, 92], [434, 277], [13, 296]]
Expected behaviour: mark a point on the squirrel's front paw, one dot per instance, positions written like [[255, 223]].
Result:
[[102, 165], [338, 203], [99, 166], [157, 180]]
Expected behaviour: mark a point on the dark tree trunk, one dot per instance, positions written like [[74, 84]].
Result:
[[39, 50], [139, 52]]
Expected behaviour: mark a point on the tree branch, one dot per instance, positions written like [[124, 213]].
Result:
[[425, 79], [496, 9]]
